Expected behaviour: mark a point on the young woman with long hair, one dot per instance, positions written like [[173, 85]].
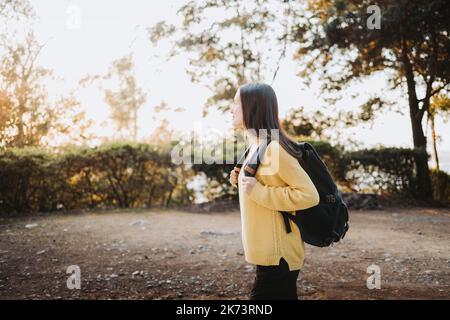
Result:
[[280, 184]]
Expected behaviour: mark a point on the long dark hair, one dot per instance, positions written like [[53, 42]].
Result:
[[260, 111]]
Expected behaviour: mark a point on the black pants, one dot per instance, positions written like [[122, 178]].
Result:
[[275, 283]]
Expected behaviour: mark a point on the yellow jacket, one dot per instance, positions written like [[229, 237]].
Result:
[[282, 185]]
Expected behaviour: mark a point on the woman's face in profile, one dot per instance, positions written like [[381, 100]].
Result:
[[236, 111]]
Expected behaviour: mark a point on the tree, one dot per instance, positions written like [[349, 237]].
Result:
[[219, 59], [128, 99], [412, 48], [26, 116], [316, 125], [14, 9], [440, 105]]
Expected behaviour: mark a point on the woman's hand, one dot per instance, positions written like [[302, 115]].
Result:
[[248, 183], [234, 177]]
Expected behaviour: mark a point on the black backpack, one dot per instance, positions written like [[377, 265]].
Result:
[[323, 224]]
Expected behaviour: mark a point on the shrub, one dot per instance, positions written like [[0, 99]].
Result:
[[441, 186], [127, 175]]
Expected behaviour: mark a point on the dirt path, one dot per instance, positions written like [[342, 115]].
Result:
[[181, 255]]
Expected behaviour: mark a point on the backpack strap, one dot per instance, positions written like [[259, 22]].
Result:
[[241, 160], [286, 218], [255, 160]]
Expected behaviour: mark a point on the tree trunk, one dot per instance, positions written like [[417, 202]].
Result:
[[423, 180], [433, 138]]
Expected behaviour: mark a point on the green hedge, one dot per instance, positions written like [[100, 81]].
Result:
[[114, 175], [383, 170], [441, 186], [380, 170], [217, 175], [133, 175]]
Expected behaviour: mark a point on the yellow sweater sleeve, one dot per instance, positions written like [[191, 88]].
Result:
[[300, 192]]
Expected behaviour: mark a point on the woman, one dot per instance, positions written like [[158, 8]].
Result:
[[280, 184]]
